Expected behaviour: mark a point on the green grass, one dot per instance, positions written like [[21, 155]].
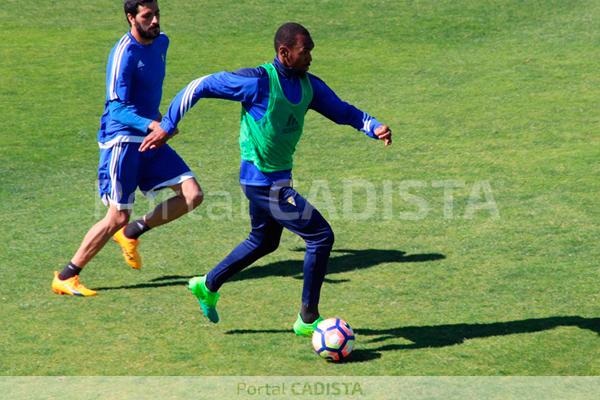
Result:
[[498, 91]]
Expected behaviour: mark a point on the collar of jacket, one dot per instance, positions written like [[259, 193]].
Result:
[[285, 71]]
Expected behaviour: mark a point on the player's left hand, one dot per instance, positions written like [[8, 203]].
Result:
[[383, 132]]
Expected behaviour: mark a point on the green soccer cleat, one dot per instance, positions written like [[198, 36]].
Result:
[[206, 298], [301, 328]]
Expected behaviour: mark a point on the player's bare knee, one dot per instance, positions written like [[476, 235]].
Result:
[[117, 220], [191, 193], [122, 220]]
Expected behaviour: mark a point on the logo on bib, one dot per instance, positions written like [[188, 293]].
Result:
[[291, 125]]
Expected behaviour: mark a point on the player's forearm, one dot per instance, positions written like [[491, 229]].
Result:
[[346, 114], [125, 114]]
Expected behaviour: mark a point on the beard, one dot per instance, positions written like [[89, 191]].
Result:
[[301, 72], [150, 33]]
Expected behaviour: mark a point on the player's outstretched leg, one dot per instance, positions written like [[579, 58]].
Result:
[[129, 248], [67, 281], [206, 298], [263, 239]]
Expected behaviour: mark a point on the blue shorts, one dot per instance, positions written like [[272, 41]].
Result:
[[122, 169]]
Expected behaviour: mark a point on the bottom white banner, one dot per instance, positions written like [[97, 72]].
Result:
[[298, 387]]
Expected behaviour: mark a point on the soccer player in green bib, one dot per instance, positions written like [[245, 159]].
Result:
[[275, 98]]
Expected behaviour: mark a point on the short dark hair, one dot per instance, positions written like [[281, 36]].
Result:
[[131, 6], [286, 34]]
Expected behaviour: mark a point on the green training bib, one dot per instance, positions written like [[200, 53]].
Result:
[[271, 141]]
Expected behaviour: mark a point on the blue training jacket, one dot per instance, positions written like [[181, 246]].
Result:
[[134, 80]]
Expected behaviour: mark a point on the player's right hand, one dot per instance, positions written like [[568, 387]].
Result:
[[156, 138]]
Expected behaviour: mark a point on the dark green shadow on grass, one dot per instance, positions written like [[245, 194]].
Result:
[[446, 335], [449, 335], [349, 260]]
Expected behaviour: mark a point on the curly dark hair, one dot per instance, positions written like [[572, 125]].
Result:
[[131, 6], [286, 34]]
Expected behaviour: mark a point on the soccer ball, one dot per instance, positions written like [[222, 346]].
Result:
[[333, 339]]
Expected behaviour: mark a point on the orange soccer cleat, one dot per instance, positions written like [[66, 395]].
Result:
[[70, 286]]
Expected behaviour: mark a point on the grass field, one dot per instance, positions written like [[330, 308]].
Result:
[[499, 97]]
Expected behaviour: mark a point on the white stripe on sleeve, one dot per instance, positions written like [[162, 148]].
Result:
[[116, 66], [186, 99]]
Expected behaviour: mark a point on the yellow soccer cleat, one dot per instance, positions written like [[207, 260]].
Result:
[[129, 249], [70, 286]]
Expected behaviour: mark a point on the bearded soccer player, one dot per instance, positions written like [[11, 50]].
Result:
[[275, 98], [134, 79]]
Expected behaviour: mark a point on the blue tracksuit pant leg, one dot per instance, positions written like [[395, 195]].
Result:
[[272, 209], [262, 240]]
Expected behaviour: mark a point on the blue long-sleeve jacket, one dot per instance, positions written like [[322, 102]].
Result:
[[250, 86], [134, 79]]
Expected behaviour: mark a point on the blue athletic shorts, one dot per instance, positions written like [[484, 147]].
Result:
[[122, 169]]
